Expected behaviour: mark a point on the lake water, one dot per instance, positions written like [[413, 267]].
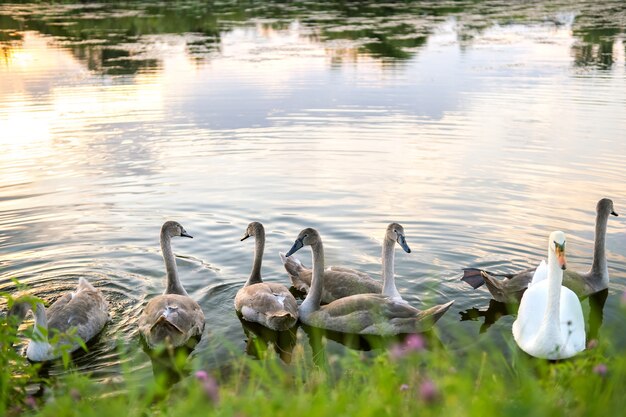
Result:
[[479, 126]]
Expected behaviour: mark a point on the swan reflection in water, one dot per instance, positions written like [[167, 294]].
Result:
[[596, 313], [364, 343], [170, 364], [259, 338], [496, 310], [79, 360]]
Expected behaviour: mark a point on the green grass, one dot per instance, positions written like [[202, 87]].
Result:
[[434, 381]]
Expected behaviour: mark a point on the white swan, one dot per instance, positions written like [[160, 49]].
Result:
[[550, 321], [266, 303], [172, 318], [341, 282], [84, 311], [374, 314]]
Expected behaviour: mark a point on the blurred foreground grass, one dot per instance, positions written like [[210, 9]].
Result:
[[413, 378]]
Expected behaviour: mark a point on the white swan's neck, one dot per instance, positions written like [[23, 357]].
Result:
[[173, 284], [259, 246], [550, 328], [389, 280], [312, 301], [599, 265], [39, 348]]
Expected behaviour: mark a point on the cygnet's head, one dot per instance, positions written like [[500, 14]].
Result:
[[605, 207], [172, 229], [253, 229], [308, 236], [395, 232]]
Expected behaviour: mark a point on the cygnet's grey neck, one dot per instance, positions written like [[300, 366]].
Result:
[[599, 265], [389, 282], [314, 297], [259, 246], [173, 283]]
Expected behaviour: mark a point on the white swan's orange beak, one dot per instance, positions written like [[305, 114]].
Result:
[[560, 256]]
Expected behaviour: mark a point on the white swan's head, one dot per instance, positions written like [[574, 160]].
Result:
[[171, 229], [557, 245], [395, 232], [605, 207], [253, 229], [307, 237]]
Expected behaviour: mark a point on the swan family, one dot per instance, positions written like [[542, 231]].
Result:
[[549, 322], [511, 288]]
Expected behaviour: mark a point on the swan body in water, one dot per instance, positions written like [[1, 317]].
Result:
[[266, 303], [550, 322], [83, 311], [172, 318]]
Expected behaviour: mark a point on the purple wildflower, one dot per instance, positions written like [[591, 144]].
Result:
[[600, 369], [404, 387], [413, 343], [209, 385], [202, 375], [592, 344], [428, 391], [31, 402]]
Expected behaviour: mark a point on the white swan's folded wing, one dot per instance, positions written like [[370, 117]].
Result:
[[541, 273], [572, 321], [530, 313]]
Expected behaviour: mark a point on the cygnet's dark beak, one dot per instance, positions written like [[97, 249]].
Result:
[[402, 242], [298, 244], [185, 234], [614, 213], [244, 237]]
